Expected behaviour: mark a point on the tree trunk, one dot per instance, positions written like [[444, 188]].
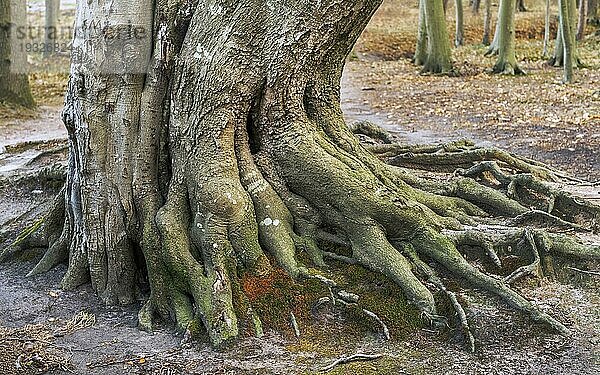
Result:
[[212, 147], [14, 83], [558, 59], [521, 6], [568, 38], [487, 22], [51, 27], [494, 46], [460, 27], [592, 13], [546, 30], [475, 4], [434, 37], [581, 19], [507, 61], [421, 48]]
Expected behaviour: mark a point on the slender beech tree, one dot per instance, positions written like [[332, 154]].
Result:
[[460, 26], [567, 20], [433, 49], [546, 30], [475, 4], [505, 40], [487, 22], [227, 155], [592, 10], [581, 19], [567, 31], [14, 83], [52, 12], [521, 6]]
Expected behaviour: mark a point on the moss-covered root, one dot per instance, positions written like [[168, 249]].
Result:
[[372, 130], [443, 251], [431, 276], [371, 249]]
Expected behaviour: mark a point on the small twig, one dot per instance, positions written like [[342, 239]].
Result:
[[118, 361], [295, 324], [352, 358], [594, 273], [386, 331]]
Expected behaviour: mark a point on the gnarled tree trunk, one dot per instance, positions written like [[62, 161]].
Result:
[[14, 83], [229, 155]]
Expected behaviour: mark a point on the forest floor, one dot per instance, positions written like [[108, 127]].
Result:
[[43, 327]]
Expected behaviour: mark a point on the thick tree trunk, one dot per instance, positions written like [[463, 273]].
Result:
[[51, 27], [213, 147], [507, 61], [437, 58], [14, 83], [460, 27], [487, 22]]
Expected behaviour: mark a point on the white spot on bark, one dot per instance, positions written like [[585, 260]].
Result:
[[266, 222], [215, 245], [276, 222]]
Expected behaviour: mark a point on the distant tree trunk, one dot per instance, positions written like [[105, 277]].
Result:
[[507, 61], [493, 49], [521, 6], [568, 38], [487, 22], [460, 27], [581, 20], [445, 3], [546, 30], [592, 13], [14, 83], [438, 56], [421, 48], [558, 59], [51, 27], [475, 4]]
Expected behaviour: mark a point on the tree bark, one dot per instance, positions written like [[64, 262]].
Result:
[[592, 13], [475, 5], [14, 82], [52, 14], [521, 6], [507, 61]]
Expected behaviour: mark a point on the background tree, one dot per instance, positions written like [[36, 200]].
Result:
[[592, 10], [52, 12], [230, 156], [567, 31], [433, 45], [567, 19], [487, 22], [546, 30], [460, 27], [14, 83], [504, 40]]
